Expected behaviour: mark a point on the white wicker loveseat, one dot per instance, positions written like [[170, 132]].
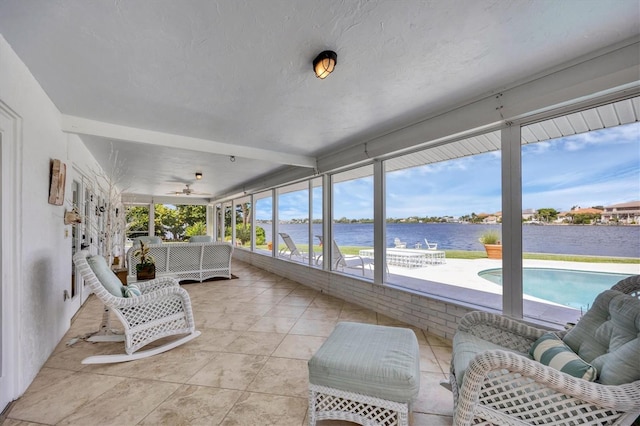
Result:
[[494, 380], [187, 261]]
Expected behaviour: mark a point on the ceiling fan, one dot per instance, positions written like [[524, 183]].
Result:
[[188, 191]]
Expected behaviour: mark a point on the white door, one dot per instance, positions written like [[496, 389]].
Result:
[[10, 183]]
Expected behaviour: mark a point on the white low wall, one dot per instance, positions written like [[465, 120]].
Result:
[[430, 314]]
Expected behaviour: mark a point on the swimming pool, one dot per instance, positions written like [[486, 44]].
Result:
[[576, 289]]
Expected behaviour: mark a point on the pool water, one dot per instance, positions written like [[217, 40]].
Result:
[[576, 289]]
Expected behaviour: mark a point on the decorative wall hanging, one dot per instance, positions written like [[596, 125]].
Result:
[[56, 182], [72, 216]]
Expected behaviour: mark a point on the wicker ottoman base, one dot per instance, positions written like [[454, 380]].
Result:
[[333, 404], [364, 373]]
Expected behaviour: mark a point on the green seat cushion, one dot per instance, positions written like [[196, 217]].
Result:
[[201, 239], [378, 361], [466, 346], [105, 275], [550, 350], [608, 337]]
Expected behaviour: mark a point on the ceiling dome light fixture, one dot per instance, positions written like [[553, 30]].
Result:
[[324, 63], [198, 175]]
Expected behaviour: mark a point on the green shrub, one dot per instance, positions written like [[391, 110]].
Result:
[[244, 234], [490, 237]]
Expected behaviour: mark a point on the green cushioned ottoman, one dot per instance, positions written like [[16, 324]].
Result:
[[363, 373]]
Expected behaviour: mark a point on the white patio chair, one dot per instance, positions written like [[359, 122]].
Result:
[[341, 261], [163, 309], [398, 243], [291, 249], [431, 246]]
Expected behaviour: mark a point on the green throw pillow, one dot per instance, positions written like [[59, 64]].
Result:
[[131, 290], [552, 351]]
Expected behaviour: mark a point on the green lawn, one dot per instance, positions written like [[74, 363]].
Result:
[[464, 254]]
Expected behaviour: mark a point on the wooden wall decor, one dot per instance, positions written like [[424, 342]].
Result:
[[57, 181]]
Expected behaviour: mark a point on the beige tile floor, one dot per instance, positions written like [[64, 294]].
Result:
[[249, 366]]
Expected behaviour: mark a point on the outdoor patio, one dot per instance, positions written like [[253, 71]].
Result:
[[248, 367]]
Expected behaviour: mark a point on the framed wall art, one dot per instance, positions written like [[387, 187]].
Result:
[[56, 182]]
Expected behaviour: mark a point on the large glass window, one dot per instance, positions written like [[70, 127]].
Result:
[[293, 223], [573, 249], [316, 220], [442, 221], [244, 232], [352, 226], [228, 221], [177, 223], [440, 204], [264, 222], [137, 218]]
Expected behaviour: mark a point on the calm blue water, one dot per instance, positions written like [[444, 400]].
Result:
[[577, 289], [617, 241]]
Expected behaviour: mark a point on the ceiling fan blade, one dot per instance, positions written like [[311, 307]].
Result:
[[187, 191]]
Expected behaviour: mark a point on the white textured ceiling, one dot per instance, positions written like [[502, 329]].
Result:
[[238, 73]]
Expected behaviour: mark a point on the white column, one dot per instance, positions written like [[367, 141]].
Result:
[[379, 229], [210, 218], [152, 220], [512, 222], [327, 220], [274, 223]]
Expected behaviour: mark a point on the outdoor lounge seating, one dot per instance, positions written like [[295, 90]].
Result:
[[494, 378], [340, 261], [162, 309], [290, 248], [187, 261], [363, 373], [410, 258], [398, 243], [430, 246]]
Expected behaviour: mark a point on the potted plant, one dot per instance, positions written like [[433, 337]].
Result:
[[491, 241], [146, 268]]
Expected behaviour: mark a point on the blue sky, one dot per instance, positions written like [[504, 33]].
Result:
[[596, 168]]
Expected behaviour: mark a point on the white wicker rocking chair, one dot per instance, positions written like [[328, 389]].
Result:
[[503, 387], [162, 310]]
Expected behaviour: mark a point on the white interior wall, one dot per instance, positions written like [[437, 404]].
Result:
[[43, 315]]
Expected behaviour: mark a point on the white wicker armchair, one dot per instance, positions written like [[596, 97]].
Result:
[[162, 310], [503, 386], [629, 286]]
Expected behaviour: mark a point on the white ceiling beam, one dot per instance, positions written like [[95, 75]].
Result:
[[85, 126]]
